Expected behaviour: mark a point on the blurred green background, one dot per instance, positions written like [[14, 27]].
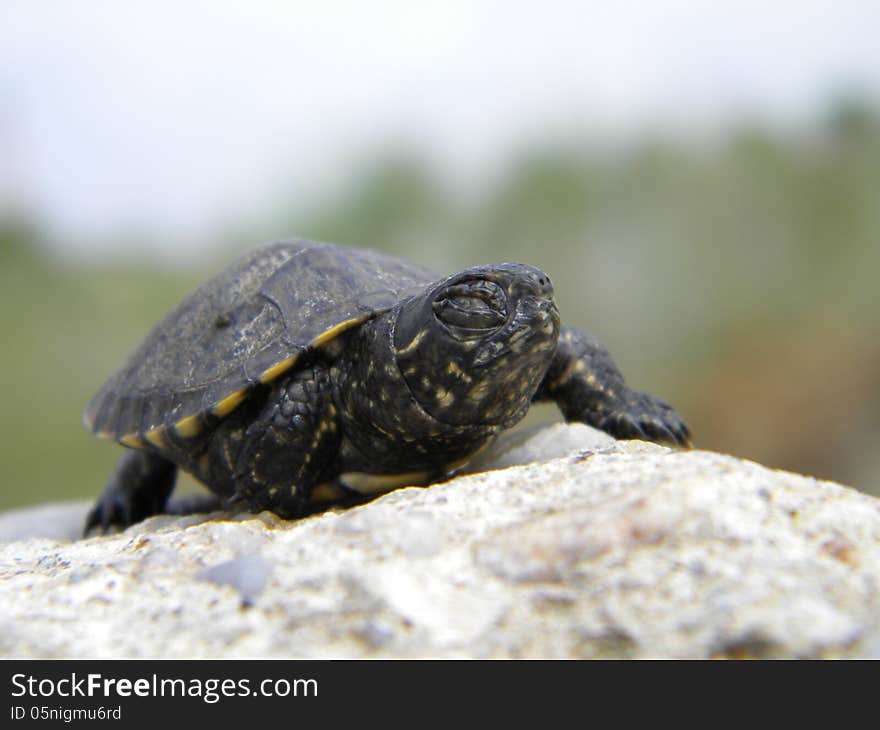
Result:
[[733, 273]]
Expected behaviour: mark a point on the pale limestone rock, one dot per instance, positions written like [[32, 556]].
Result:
[[626, 550]]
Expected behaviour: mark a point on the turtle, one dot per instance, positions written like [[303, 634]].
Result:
[[308, 374]]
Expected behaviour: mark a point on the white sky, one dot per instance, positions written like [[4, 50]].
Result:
[[175, 118]]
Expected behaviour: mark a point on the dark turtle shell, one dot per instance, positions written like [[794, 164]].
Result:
[[245, 326]]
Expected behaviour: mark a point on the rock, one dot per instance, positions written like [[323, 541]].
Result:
[[247, 574], [625, 550], [59, 521], [540, 443]]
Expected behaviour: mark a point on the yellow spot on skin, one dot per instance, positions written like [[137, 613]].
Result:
[[517, 336], [444, 397], [273, 372], [364, 483], [105, 435], [480, 390], [575, 366], [453, 369], [229, 403], [188, 427], [133, 440], [335, 331], [155, 437], [414, 343]]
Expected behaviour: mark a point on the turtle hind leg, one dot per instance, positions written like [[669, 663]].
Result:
[[588, 387], [138, 488]]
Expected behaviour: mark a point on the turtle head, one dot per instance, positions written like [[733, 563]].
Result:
[[474, 347]]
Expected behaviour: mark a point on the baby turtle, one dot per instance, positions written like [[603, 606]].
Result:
[[306, 373]]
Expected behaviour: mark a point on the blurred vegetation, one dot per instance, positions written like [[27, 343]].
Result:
[[736, 276]]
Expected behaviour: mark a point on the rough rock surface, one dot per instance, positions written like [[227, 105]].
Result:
[[620, 549]]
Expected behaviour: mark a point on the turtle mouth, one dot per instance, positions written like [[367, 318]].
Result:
[[530, 332], [549, 314]]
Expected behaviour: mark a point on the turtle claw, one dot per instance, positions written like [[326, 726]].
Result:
[[649, 418], [622, 425], [139, 488], [106, 514], [118, 508]]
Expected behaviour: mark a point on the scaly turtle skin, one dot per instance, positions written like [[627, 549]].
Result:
[[306, 373]]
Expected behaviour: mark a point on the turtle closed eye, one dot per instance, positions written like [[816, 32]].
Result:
[[469, 313]]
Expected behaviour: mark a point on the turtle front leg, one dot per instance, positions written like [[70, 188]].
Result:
[[138, 488], [588, 387], [289, 446]]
